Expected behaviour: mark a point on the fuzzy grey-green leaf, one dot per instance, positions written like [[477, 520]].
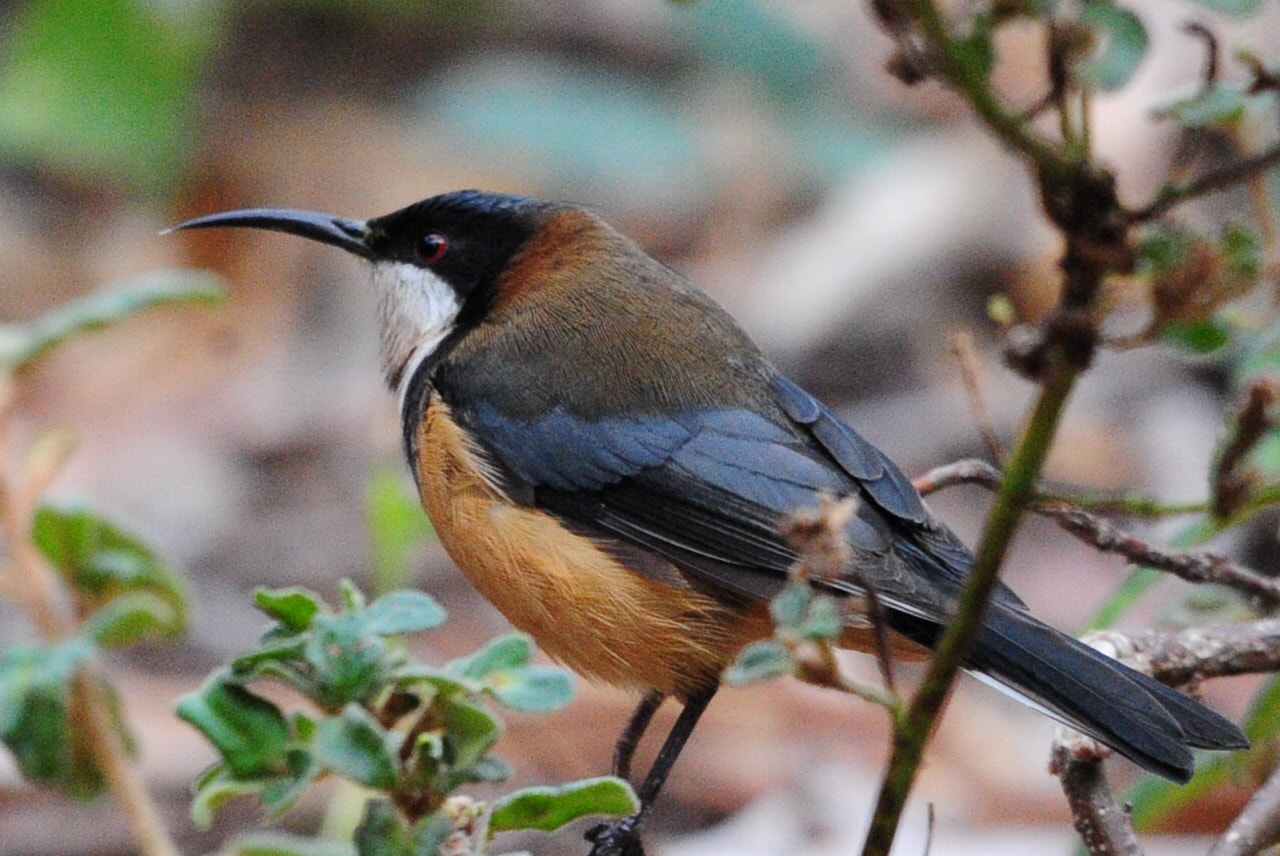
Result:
[[249, 731], [767, 658], [1123, 44], [404, 611], [549, 808], [354, 745]]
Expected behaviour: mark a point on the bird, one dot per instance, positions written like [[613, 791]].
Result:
[[607, 456]]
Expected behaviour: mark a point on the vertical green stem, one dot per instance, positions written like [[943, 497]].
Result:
[[912, 732]]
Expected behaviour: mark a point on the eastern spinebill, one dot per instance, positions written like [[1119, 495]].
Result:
[[607, 456]]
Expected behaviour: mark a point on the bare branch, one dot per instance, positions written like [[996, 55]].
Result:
[[1194, 653], [1205, 35], [1195, 567], [1212, 182], [967, 471], [1233, 479], [1257, 826], [1103, 825], [966, 356]]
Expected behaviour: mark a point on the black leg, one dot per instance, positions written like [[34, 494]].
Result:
[[636, 727], [622, 837]]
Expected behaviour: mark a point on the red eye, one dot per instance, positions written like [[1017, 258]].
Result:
[[431, 247]]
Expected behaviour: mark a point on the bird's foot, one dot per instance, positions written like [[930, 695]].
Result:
[[616, 838]]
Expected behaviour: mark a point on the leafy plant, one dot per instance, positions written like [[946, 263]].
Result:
[[412, 733]]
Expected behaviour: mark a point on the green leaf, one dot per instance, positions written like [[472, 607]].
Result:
[[35, 716], [1165, 248], [823, 619], [294, 606], [396, 525], [23, 344], [1199, 337], [1234, 8], [1218, 105], [214, 789], [549, 808], [103, 90], [403, 612], [382, 832], [354, 745], [470, 732], [350, 596], [1123, 44], [129, 618], [280, 793], [1262, 724], [249, 731], [1241, 249], [102, 562], [273, 658], [532, 689], [767, 658], [791, 605], [501, 654], [348, 663], [490, 769]]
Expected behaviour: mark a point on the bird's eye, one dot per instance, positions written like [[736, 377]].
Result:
[[431, 247]]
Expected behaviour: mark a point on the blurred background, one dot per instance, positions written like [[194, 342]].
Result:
[[851, 223]]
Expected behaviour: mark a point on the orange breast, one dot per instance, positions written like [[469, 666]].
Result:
[[583, 606]]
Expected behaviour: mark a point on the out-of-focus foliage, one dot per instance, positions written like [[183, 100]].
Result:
[[36, 717], [121, 591], [396, 526], [102, 91], [24, 343]]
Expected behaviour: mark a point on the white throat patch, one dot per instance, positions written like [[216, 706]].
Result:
[[416, 310]]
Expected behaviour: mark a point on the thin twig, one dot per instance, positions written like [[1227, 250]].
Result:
[[880, 625], [1198, 30], [1103, 825], [967, 358], [1193, 566], [1222, 179], [1257, 826], [966, 471], [1233, 478], [971, 84], [980, 472]]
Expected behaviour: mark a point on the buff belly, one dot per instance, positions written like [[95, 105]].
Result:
[[583, 607]]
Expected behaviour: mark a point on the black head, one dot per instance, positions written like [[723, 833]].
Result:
[[436, 263]]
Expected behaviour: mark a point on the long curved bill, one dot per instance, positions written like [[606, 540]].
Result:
[[350, 235]]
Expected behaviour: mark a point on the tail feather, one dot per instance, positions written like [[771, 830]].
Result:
[[1139, 717]]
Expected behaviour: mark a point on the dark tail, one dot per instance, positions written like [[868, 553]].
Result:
[[1139, 717]]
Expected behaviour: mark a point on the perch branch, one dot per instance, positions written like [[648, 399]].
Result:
[[1103, 825]]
